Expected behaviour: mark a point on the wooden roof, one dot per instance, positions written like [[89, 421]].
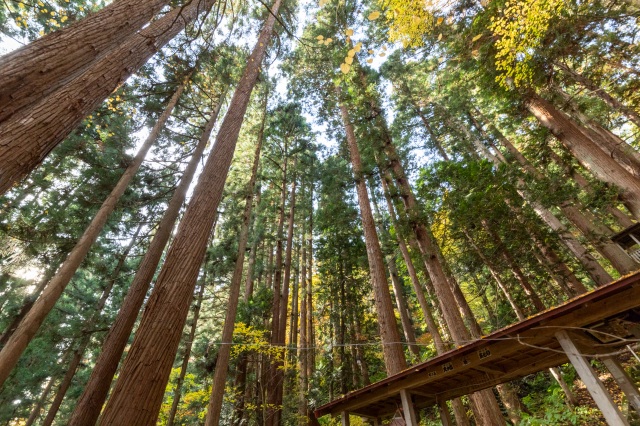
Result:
[[624, 237], [513, 352]]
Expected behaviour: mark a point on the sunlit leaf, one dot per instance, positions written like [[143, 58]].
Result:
[[374, 15]]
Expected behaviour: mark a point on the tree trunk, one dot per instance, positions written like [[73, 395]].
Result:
[[149, 361], [187, 352], [403, 308], [391, 346], [601, 93], [586, 151], [28, 327], [86, 332], [35, 412], [52, 118], [44, 65], [303, 345], [95, 392], [222, 365], [610, 143]]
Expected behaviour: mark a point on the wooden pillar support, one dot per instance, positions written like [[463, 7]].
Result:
[[410, 417], [345, 418], [624, 381], [445, 417], [603, 400]]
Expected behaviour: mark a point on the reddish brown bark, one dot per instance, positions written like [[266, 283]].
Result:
[[137, 395], [392, 348], [44, 65], [224, 353], [95, 392], [28, 137], [586, 151], [23, 334]]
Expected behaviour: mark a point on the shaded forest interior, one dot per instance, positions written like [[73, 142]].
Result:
[[228, 212]]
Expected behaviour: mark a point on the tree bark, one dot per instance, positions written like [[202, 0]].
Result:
[[391, 346], [586, 151], [222, 365], [187, 352], [148, 364], [601, 93], [95, 392], [28, 137], [32, 321], [86, 332], [46, 64]]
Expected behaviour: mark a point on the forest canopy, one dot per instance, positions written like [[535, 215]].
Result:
[[233, 212]]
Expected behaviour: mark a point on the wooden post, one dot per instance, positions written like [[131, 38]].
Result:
[[624, 381], [603, 400], [345, 418], [407, 408], [445, 417]]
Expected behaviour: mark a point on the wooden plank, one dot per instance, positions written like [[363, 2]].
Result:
[[624, 381], [344, 416], [445, 417], [598, 392], [410, 417]]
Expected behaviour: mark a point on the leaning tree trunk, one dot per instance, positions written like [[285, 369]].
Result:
[[28, 137], [28, 327], [601, 93], [222, 364], [392, 349], [177, 394], [137, 395], [586, 151], [95, 392], [44, 65], [78, 353]]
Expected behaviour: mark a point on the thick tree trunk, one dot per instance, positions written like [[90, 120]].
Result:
[[601, 93], [222, 365], [28, 327], [149, 361], [95, 392], [610, 143], [311, 335], [44, 65], [187, 352], [586, 151], [392, 348], [303, 345], [52, 118]]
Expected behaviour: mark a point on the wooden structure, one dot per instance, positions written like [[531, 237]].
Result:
[[629, 241], [600, 323]]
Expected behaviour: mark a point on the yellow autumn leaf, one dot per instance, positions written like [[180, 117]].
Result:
[[320, 37], [358, 47], [369, 60], [320, 41], [383, 54], [345, 68], [374, 15], [371, 52], [440, 37], [328, 41], [349, 32], [323, 2], [440, 20], [348, 60], [476, 38], [351, 53]]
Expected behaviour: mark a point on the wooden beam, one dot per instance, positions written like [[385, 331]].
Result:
[[598, 392], [344, 416], [410, 417], [445, 417], [624, 381]]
